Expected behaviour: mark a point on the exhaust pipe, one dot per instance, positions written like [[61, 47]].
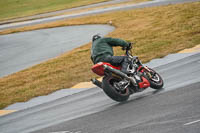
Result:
[[121, 74], [115, 71]]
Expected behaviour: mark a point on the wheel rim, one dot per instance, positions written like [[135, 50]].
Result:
[[121, 92], [155, 78]]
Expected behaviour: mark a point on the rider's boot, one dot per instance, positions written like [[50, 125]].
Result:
[[125, 65]]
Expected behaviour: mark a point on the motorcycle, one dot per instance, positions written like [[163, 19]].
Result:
[[118, 85]]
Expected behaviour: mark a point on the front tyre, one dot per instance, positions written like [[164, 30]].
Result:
[[114, 93], [156, 81]]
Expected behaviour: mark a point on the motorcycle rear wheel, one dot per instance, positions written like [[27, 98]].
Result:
[[112, 92]]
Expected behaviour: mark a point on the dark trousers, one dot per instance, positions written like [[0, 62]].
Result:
[[117, 61]]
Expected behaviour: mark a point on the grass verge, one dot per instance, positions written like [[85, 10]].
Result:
[[21, 8], [122, 3], [129, 2], [157, 31]]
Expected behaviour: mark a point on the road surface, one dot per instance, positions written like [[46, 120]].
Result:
[[25, 49], [174, 109]]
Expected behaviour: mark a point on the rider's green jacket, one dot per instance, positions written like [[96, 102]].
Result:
[[102, 48]]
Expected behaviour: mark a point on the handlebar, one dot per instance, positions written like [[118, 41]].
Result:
[[127, 52], [130, 46], [129, 49]]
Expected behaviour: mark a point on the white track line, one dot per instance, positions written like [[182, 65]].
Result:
[[190, 123]]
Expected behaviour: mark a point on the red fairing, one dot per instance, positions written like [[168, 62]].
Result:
[[144, 84], [140, 69], [99, 70]]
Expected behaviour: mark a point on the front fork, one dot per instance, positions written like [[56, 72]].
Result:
[[145, 70], [146, 74]]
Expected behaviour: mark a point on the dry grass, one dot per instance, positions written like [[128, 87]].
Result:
[[129, 2], [24, 18], [20, 8], [157, 31]]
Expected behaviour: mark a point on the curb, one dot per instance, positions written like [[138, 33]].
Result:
[[5, 112], [191, 50]]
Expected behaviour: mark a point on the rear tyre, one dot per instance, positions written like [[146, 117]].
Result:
[[115, 94], [156, 81]]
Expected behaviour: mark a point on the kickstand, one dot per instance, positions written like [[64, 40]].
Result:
[[97, 82]]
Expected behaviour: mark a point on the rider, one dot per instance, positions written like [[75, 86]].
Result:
[[102, 51]]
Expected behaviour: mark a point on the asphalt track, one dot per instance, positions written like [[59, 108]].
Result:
[[25, 49], [174, 109]]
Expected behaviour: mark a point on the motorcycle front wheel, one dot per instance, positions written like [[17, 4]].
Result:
[[156, 81], [114, 93]]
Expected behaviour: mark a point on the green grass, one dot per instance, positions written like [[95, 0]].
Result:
[[20, 8], [157, 31]]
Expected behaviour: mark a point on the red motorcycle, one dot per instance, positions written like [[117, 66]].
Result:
[[119, 86]]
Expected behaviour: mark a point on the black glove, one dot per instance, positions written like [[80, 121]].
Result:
[[129, 46]]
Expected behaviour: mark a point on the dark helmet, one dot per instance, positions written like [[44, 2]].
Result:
[[95, 37]]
